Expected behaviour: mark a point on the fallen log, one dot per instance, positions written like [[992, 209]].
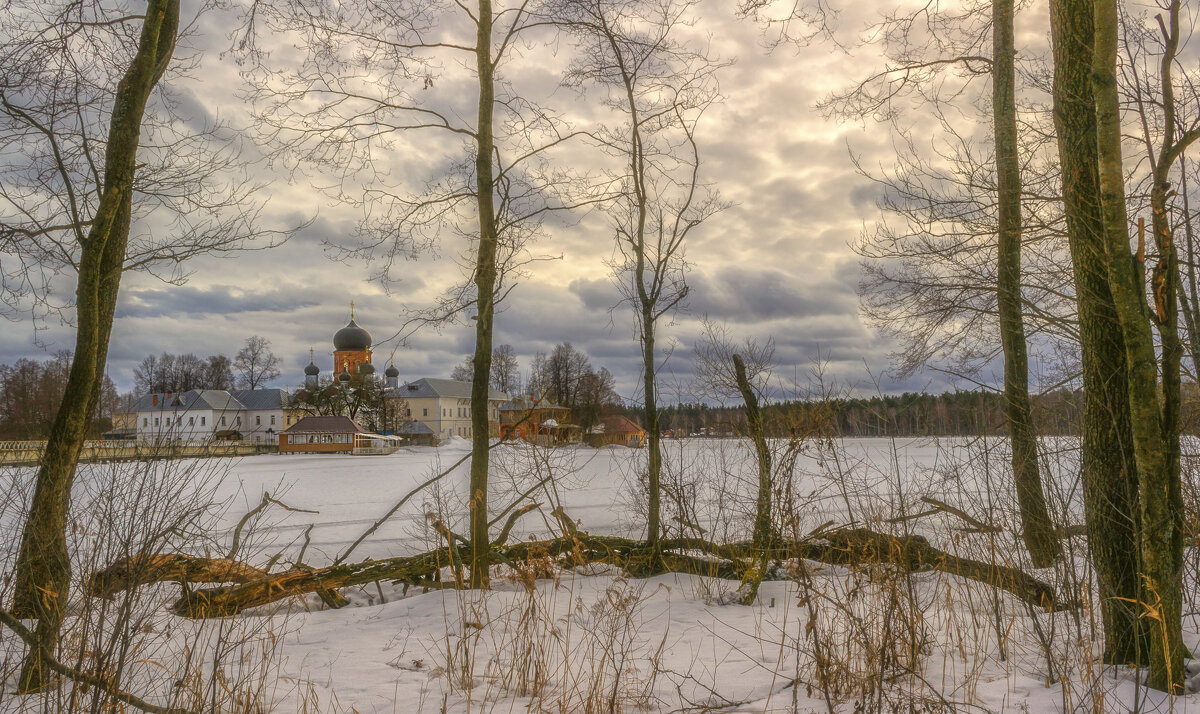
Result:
[[859, 546], [847, 546], [129, 573]]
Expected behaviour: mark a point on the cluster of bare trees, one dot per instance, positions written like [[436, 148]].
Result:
[[965, 269], [251, 368], [30, 394], [566, 377]]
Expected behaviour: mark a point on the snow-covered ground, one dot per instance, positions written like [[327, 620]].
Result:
[[593, 641]]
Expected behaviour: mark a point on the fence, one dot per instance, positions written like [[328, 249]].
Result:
[[24, 453]]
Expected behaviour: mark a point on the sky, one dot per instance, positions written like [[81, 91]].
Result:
[[777, 264]]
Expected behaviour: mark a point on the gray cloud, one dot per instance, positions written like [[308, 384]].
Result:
[[776, 264]]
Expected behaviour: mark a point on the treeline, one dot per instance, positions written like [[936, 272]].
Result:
[[30, 394], [960, 413]]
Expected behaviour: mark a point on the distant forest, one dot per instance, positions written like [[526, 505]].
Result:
[[961, 413]]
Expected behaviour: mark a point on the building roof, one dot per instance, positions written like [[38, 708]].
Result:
[[256, 399], [214, 399], [193, 400], [324, 425], [414, 428], [352, 337], [432, 387], [617, 424]]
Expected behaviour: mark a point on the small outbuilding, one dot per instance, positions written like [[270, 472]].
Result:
[[333, 435], [417, 433], [537, 421], [616, 429]]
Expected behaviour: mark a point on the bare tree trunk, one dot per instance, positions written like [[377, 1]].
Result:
[[1190, 317], [1112, 508], [762, 540], [1165, 281], [1037, 528], [653, 443], [43, 564], [485, 282], [1150, 420]]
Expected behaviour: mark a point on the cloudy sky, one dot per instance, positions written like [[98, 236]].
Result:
[[776, 264]]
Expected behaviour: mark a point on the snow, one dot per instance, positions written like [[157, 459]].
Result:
[[669, 643]]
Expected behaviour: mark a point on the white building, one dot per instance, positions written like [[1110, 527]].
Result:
[[203, 414], [444, 405]]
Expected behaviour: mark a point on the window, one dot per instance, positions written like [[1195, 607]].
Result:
[[424, 412], [258, 420], [238, 421], [155, 421], [145, 421], [272, 420], [222, 421], [202, 420], [192, 421]]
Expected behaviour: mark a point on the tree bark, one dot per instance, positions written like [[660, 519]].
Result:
[[761, 540], [1112, 504], [485, 283], [653, 443], [1038, 530], [43, 564], [1149, 418]]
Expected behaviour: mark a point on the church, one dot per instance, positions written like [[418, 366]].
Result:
[[351, 355], [430, 407]]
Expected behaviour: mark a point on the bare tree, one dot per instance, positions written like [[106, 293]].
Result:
[[1109, 476], [949, 283], [100, 178], [729, 369], [658, 87], [506, 370], [43, 564], [464, 371], [1037, 528], [255, 363], [218, 372], [1154, 419]]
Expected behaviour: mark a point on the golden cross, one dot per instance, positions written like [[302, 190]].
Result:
[[351, 309]]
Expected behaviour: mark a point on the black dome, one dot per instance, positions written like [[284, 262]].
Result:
[[391, 371], [344, 377], [366, 368], [312, 370], [352, 337]]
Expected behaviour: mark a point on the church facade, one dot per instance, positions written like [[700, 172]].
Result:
[[440, 408]]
